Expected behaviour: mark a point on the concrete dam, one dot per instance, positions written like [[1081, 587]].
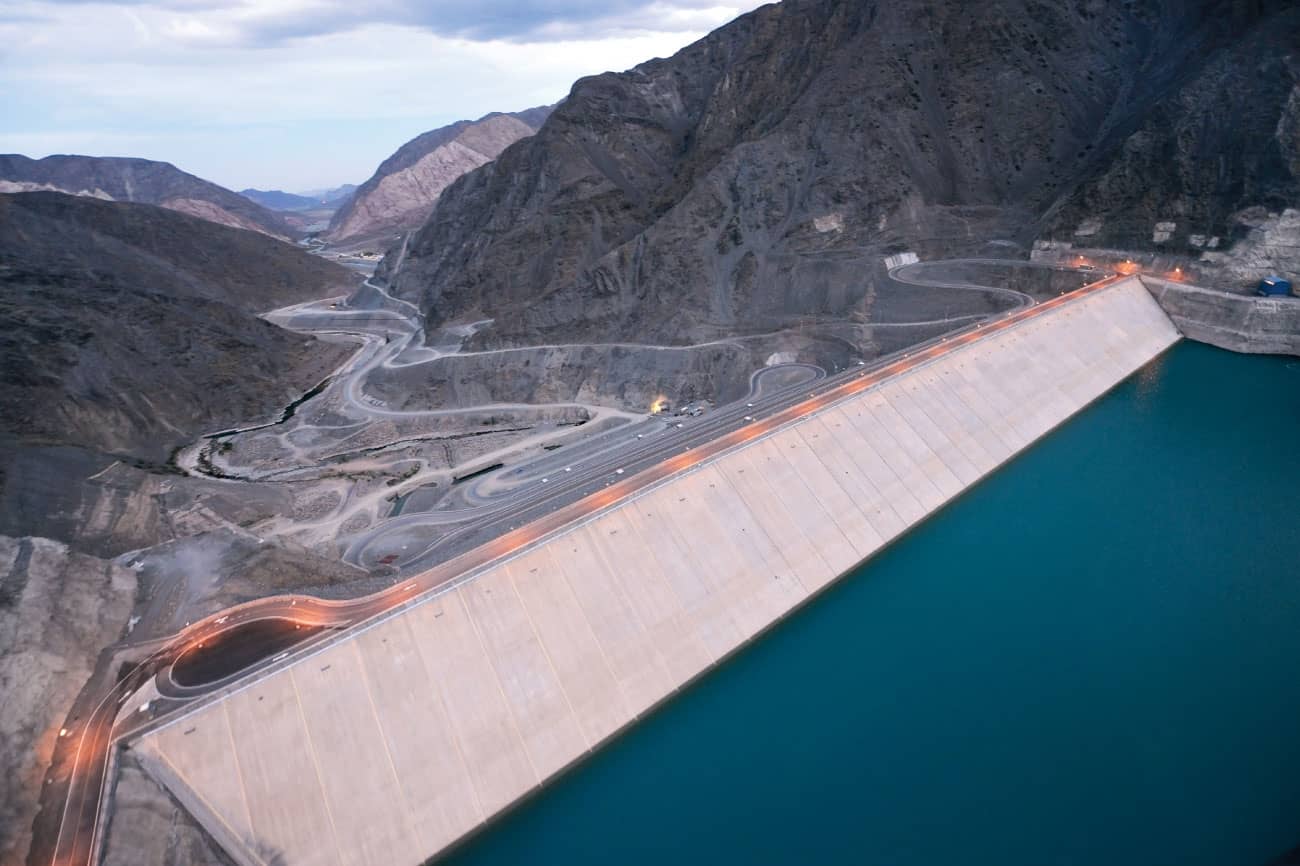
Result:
[[397, 738]]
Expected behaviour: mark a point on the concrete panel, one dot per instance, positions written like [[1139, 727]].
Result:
[[945, 452], [632, 657], [957, 446], [776, 581], [858, 485], [703, 536], [916, 438], [850, 426], [803, 508], [584, 673], [1021, 373], [979, 388], [532, 688], [877, 441], [986, 409], [489, 738], [350, 747], [437, 790], [711, 616], [830, 491], [938, 381], [748, 474], [283, 775], [632, 568]]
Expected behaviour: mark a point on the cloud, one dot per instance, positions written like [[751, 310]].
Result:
[[230, 91], [271, 22]]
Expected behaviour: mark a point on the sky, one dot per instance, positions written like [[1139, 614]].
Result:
[[304, 94]]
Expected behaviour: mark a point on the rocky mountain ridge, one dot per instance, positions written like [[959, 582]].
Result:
[[402, 191], [142, 181], [127, 330], [755, 180]]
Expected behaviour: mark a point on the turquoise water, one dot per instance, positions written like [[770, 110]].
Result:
[[1090, 658]]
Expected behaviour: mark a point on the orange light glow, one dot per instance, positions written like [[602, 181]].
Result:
[[660, 404]]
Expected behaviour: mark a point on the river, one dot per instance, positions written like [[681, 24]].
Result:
[[1089, 658]]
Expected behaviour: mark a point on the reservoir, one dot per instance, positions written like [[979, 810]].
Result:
[[1087, 658]]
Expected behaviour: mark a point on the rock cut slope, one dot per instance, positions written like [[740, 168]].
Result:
[[143, 181], [757, 177], [405, 187]]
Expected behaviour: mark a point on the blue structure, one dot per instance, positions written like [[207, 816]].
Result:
[[1271, 286]]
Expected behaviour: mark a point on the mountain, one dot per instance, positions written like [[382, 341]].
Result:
[[336, 195], [128, 329], [321, 200], [402, 191], [274, 199], [143, 181], [754, 180]]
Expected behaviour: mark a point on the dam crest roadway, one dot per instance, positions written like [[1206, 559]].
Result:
[[474, 681], [334, 447]]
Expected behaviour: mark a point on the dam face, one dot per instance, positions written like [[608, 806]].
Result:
[[389, 744]]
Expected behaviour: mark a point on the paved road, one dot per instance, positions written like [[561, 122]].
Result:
[[78, 841]]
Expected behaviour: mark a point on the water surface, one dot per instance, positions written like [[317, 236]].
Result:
[[1090, 658]]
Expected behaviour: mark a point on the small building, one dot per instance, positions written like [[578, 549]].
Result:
[[1274, 286]]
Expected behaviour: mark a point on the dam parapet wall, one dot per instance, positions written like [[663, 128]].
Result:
[[409, 732]]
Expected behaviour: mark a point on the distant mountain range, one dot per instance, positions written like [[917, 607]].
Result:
[[275, 199], [405, 187], [278, 200], [141, 181], [333, 195]]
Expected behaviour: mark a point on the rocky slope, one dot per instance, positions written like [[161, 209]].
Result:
[[58, 609], [127, 330], [143, 181], [1212, 170], [755, 179], [405, 187], [150, 828]]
